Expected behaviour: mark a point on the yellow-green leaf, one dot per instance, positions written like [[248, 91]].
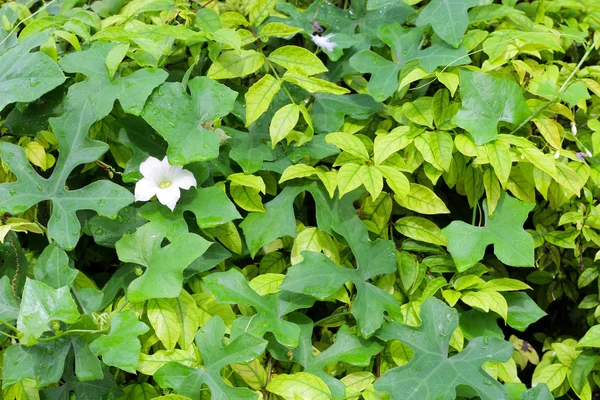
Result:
[[371, 179], [422, 229], [422, 200], [298, 58], [278, 29], [246, 197], [386, 145], [259, 97], [348, 143], [163, 319], [188, 318], [348, 178], [492, 190], [36, 154], [248, 180], [311, 84], [284, 120], [395, 179], [231, 64], [299, 386], [499, 155], [297, 171]]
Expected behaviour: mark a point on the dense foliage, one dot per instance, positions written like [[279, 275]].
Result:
[[261, 199]]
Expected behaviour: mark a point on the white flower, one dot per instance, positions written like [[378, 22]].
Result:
[[324, 42], [163, 180], [557, 154], [573, 128]]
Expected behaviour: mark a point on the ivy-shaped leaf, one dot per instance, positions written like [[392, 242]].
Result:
[[42, 304], [487, 100], [121, 347], [45, 361], [231, 287], [84, 390], [163, 277], [448, 18], [347, 348], [320, 277], [279, 219], [328, 110], [86, 103], [178, 117], [430, 374], [26, 76], [406, 46], [210, 206], [188, 381], [504, 229]]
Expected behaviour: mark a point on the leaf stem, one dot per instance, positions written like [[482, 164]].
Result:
[[334, 316], [14, 328]]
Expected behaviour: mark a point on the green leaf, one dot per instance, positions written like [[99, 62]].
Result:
[[420, 229], [259, 97], [26, 76], [573, 94], [448, 18], [107, 231], [210, 206], [522, 310], [467, 243], [231, 287], [328, 110], [188, 381], [231, 64], [299, 386], [384, 73], [42, 304], [121, 347], [406, 46], [320, 277], [582, 366], [9, 305], [164, 265], [53, 267], [297, 58], [178, 117], [430, 373], [487, 100], [591, 338], [284, 120]]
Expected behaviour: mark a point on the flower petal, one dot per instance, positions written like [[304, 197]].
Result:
[[184, 179], [169, 196], [145, 188], [151, 168]]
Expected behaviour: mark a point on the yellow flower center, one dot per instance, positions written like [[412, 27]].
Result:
[[164, 185]]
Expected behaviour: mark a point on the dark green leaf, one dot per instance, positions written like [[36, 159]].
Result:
[[187, 381], [430, 374]]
